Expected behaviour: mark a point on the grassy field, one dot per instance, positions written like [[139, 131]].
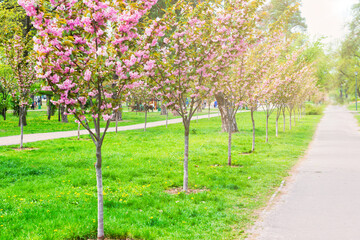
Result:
[[50, 192], [38, 123]]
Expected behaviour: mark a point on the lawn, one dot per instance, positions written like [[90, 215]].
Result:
[[38, 123], [50, 192], [352, 107]]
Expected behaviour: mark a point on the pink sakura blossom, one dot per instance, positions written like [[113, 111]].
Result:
[[82, 100], [108, 95], [66, 85], [107, 117], [46, 88], [87, 75]]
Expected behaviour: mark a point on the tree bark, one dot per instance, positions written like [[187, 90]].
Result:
[[186, 155], [167, 117], [22, 117], [100, 235], [267, 128], [229, 142], [290, 118], [278, 112], [209, 111], [225, 114], [253, 126], [59, 115], [64, 117], [49, 108], [21, 126], [116, 124], [145, 119], [3, 113], [79, 131], [163, 109], [284, 119]]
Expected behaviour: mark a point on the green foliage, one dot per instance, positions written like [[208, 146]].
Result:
[[276, 8], [50, 192], [313, 109]]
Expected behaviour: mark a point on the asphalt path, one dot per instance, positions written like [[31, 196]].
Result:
[[13, 140], [322, 200]]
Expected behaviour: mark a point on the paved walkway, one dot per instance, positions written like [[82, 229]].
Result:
[[322, 202], [13, 140]]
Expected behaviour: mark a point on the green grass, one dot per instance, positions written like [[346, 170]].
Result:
[[352, 107], [50, 192], [37, 122]]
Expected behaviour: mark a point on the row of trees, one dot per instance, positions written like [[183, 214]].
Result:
[[98, 52], [347, 59]]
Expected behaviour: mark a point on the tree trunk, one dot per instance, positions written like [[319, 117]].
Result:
[[3, 113], [290, 118], [145, 120], [49, 108], [225, 114], [99, 192], [117, 115], [59, 110], [21, 126], [278, 112], [253, 126], [209, 111], [229, 142], [294, 116], [64, 117], [284, 119], [22, 117], [267, 127], [167, 117], [163, 109], [186, 156]]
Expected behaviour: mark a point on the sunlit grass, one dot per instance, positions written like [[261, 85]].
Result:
[[50, 192]]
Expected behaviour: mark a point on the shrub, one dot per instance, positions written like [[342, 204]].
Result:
[[312, 109]]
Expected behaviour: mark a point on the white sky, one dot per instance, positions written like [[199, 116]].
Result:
[[327, 18]]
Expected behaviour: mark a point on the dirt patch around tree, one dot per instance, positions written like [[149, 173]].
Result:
[[179, 190], [25, 149]]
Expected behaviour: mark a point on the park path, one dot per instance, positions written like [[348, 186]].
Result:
[[13, 140], [322, 200]]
